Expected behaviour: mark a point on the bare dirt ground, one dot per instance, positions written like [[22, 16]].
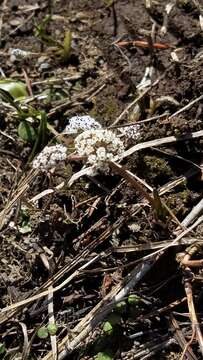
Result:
[[113, 261]]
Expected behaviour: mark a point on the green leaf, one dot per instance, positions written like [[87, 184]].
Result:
[[67, 45], [2, 348], [120, 307], [41, 32], [40, 141], [108, 328], [42, 332], [7, 98], [26, 131], [25, 228], [16, 89], [52, 329], [159, 208], [133, 299], [108, 3], [103, 356]]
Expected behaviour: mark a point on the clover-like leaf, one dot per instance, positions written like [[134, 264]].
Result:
[[26, 131], [17, 89], [108, 328], [42, 332], [103, 356], [52, 329], [2, 348]]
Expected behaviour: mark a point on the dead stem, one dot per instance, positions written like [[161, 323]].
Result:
[[185, 262], [131, 179], [193, 317]]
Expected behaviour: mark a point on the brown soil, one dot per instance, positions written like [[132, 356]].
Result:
[[41, 243]]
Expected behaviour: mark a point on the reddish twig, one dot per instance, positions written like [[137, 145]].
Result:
[[144, 44]]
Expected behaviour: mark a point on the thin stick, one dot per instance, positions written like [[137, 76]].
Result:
[[53, 290], [178, 335], [52, 321], [176, 240], [138, 122], [158, 142], [125, 111], [193, 316], [132, 180], [186, 107]]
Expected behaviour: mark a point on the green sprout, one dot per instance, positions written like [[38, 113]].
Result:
[[103, 356], [109, 325], [52, 329], [36, 136], [120, 307], [62, 49], [133, 299], [42, 332], [2, 348]]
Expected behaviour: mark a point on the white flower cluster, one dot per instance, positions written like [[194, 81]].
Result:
[[130, 132], [18, 54], [99, 146], [49, 157], [81, 123]]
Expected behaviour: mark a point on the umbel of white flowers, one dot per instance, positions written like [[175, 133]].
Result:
[[49, 157], [130, 132], [93, 142], [99, 146], [18, 54], [81, 123]]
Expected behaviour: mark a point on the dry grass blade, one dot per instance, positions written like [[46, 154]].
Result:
[[49, 291], [186, 107], [52, 321], [178, 335], [154, 245], [125, 111], [74, 260], [181, 179], [8, 207], [5, 315], [138, 185], [23, 186], [193, 316], [135, 101], [176, 240], [101, 310], [26, 342], [186, 263], [127, 175], [158, 142]]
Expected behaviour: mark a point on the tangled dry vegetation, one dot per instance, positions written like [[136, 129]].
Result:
[[101, 179]]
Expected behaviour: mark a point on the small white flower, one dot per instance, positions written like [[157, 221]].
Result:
[[101, 153], [130, 132], [81, 123], [105, 146], [49, 157], [18, 54], [92, 159]]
